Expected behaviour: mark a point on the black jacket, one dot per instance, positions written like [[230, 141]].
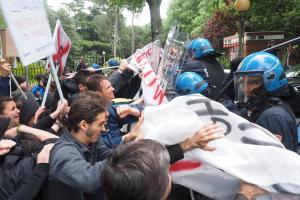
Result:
[[14, 170], [210, 70], [126, 84]]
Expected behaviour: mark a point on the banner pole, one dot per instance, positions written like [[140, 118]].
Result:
[[27, 77], [17, 84], [56, 79]]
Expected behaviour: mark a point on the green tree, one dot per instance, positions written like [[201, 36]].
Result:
[[271, 15]]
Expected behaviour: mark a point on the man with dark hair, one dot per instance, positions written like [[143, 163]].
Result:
[[138, 171], [76, 160], [119, 115]]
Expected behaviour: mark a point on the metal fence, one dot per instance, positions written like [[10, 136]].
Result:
[[33, 70]]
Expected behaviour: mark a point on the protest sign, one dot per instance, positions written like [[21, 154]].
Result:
[[28, 24]]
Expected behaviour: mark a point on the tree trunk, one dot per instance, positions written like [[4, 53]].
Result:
[[132, 34], [116, 38], [154, 6]]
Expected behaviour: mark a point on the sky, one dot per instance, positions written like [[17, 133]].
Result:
[[142, 19]]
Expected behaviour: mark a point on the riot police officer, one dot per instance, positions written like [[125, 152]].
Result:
[[260, 81], [203, 62]]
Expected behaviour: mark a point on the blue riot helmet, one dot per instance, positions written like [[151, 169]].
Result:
[[95, 66], [200, 47], [190, 83], [112, 62], [258, 74]]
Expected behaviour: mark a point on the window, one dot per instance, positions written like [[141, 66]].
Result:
[[261, 37]]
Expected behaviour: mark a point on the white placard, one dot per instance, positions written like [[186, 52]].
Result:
[[29, 27]]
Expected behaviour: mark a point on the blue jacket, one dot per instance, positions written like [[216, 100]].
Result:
[[280, 121], [4, 86], [38, 88], [113, 135]]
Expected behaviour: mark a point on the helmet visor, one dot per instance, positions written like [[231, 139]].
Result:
[[245, 83]]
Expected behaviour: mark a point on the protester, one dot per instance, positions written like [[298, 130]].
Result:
[[260, 82], [203, 62], [38, 90], [5, 70], [21, 169], [8, 108], [81, 65], [31, 114], [118, 115], [16, 94], [138, 171], [77, 159], [72, 87], [125, 83]]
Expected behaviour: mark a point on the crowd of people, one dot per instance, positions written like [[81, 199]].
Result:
[[87, 146]]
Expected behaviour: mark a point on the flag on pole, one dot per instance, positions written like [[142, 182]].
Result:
[[248, 152], [62, 45]]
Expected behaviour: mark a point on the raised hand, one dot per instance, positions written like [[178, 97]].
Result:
[[202, 137]]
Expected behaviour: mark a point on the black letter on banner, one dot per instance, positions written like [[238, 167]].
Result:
[[287, 189], [247, 140], [209, 111], [226, 123]]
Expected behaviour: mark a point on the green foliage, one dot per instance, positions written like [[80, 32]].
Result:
[[190, 16], [2, 21], [271, 15]]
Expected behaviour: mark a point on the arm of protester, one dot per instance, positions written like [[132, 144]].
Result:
[[125, 110], [67, 165], [130, 117], [135, 133], [5, 69], [32, 185], [56, 127], [37, 114], [119, 78], [201, 139], [62, 107], [42, 135], [5, 146]]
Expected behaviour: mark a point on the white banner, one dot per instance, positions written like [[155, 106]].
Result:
[[247, 152], [153, 93], [28, 24], [152, 52], [62, 47]]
